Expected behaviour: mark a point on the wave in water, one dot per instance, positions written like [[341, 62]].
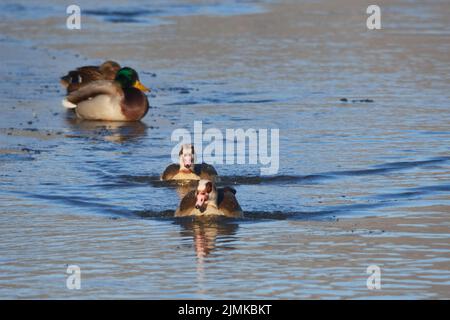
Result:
[[291, 179]]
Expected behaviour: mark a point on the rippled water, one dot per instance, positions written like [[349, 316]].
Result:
[[364, 151]]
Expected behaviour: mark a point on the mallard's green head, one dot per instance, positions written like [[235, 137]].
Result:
[[128, 77]]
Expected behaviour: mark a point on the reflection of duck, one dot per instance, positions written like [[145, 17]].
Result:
[[75, 79], [119, 100], [187, 169], [114, 131], [207, 200], [205, 232]]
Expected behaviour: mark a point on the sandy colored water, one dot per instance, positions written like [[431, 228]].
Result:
[[360, 183]]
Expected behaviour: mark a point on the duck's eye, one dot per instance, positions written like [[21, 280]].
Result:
[[76, 79]]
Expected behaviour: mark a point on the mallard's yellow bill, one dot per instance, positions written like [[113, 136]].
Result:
[[140, 86]]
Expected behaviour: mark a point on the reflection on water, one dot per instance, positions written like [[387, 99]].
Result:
[[113, 131], [205, 231]]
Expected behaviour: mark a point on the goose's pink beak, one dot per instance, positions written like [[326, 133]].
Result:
[[201, 199]]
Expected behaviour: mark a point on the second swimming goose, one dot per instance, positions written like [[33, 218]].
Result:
[[187, 169]]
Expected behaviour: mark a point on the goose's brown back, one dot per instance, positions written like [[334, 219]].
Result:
[[170, 172], [205, 171]]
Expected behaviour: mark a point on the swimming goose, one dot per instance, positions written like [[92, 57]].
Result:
[[207, 200], [187, 169], [119, 100], [75, 79]]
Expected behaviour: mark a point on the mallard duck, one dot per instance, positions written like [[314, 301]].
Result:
[[120, 100], [187, 169], [75, 79], [207, 200]]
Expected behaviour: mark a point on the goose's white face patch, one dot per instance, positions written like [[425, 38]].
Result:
[[203, 184], [203, 192], [188, 160], [187, 156]]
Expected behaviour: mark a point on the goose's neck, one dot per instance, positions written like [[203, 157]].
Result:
[[212, 198]]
